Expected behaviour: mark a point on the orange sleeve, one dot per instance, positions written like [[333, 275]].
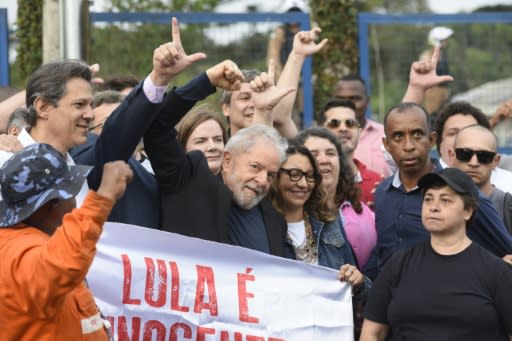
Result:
[[47, 272]]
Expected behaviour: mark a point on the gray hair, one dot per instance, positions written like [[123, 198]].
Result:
[[249, 75], [107, 97], [246, 138], [18, 119], [49, 83]]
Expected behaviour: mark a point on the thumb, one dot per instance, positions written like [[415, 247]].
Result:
[[321, 44], [446, 78], [196, 57], [280, 93]]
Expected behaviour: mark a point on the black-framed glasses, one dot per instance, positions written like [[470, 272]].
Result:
[[349, 123], [465, 154], [296, 174]]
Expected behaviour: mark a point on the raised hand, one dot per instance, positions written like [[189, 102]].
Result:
[[422, 77], [225, 75], [115, 178], [265, 94], [423, 73], [502, 112], [10, 143], [304, 42], [95, 69], [170, 59]]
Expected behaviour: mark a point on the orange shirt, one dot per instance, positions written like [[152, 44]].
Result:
[[42, 290]]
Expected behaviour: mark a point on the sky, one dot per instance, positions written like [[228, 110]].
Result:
[[438, 6]]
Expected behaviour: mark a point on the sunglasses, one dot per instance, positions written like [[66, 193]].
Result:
[[296, 174], [349, 123], [465, 154]]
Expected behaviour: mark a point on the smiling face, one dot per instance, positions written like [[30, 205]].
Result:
[[348, 137], [408, 140], [208, 138], [295, 193], [240, 109], [248, 173], [443, 211], [328, 161], [66, 124]]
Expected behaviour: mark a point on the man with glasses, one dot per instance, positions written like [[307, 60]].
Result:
[[339, 116], [369, 150], [398, 198], [474, 152]]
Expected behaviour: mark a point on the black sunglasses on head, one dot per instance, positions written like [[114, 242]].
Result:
[[349, 123], [465, 154]]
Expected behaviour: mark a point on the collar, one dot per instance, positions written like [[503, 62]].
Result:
[[396, 177], [26, 140], [443, 164], [358, 177], [370, 125]]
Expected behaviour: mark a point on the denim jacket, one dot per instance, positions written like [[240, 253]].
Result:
[[333, 247]]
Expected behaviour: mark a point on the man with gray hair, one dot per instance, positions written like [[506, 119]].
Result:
[[230, 207]]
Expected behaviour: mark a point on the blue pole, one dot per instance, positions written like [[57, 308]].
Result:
[[4, 48]]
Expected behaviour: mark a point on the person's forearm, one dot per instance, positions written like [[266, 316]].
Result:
[[282, 113], [414, 94]]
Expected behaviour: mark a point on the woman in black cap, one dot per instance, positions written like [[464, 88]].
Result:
[[447, 288]]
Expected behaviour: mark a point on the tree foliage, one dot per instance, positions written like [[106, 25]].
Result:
[[338, 20], [30, 37]]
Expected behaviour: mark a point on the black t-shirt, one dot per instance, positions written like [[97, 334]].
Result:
[[423, 295], [247, 228]]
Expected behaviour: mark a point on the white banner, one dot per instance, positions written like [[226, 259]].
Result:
[[155, 285]]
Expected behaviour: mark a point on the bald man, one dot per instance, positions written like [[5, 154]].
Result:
[[474, 151]]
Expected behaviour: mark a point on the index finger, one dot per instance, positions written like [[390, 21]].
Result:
[[435, 55], [175, 31], [271, 70]]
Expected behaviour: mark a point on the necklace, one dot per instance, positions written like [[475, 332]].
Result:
[[307, 250]]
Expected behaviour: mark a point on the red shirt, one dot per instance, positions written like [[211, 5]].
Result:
[[368, 181]]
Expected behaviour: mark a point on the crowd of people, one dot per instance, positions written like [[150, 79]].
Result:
[[363, 198]]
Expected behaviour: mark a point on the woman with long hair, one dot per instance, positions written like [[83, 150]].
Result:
[[342, 191]]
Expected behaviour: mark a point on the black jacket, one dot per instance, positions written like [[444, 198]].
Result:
[[194, 201]]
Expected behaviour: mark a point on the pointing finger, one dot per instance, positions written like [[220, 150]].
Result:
[[176, 32], [435, 55], [271, 70]]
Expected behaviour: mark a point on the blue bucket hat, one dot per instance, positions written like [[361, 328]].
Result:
[[34, 176]]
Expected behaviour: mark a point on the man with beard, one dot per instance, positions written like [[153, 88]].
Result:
[[339, 116], [229, 207]]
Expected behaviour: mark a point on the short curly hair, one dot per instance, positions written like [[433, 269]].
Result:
[[457, 108]]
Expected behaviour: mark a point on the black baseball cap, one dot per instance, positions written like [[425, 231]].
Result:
[[456, 179]]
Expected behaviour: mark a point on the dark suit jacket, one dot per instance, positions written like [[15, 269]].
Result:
[[140, 204], [195, 202]]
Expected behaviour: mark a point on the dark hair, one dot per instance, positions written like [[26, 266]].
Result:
[[249, 75], [462, 108], [49, 83], [352, 78], [467, 199], [118, 83], [400, 108], [193, 119], [347, 188], [335, 103], [317, 204], [107, 96]]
